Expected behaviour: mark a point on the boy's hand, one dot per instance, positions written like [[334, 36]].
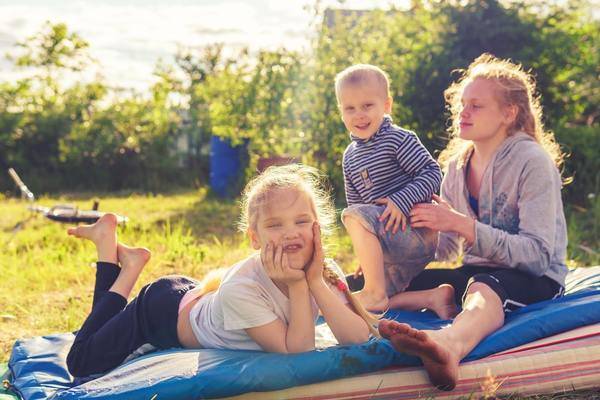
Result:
[[396, 218], [277, 266], [314, 271]]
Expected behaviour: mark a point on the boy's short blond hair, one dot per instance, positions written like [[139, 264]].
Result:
[[362, 74]]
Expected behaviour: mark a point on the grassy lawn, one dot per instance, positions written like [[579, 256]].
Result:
[[46, 277]]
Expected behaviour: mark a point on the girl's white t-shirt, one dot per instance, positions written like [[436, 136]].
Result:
[[247, 298]]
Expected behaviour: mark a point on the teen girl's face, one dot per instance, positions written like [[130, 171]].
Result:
[[286, 219], [363, 107], [482, 118]]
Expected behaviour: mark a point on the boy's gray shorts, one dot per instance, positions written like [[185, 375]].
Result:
[[405, 254]]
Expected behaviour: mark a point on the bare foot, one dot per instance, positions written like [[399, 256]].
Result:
[[443, 302], [133, 258], [104, 235], [440, 362], [388, 328], [102, 229], [376, 302]]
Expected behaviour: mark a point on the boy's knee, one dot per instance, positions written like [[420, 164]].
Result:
[[354, 224], [360, 218]]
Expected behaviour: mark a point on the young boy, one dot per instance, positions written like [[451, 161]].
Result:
[[386, 172]]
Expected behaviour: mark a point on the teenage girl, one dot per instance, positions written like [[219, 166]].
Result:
[[269, 301], [500, 207]]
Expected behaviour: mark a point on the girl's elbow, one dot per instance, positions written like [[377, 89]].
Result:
[[301, 350], [363, 337], [356, 340], [359, 339], [297, 349], [360, 336]]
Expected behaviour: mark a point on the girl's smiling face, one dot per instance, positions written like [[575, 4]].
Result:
[[286, 218]]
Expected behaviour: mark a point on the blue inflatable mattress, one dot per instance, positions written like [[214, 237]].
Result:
[[38, 370]]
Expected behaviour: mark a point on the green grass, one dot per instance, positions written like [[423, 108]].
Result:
[[46, 277]]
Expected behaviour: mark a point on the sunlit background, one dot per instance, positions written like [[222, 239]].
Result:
[[128, 37]]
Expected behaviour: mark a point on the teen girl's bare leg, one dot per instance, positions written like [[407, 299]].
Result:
[[441, 351]]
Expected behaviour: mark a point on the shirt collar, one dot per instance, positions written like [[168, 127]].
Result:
[[385, 124]]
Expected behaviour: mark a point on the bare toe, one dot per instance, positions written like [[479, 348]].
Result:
[[388, 327], [106, 225]]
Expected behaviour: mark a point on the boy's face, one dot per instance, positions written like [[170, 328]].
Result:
[[363, 106]]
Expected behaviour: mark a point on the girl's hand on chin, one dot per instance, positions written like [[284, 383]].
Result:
[[276, 263], [314, 270]]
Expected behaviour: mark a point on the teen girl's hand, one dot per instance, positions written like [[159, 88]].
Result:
[[396, 218], [314, 270], [277, 266], [440, 216]]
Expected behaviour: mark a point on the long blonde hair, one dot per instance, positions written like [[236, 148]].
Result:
[[514, 87], [307, 180]]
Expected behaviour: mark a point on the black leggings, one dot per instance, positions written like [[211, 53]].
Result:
[[114, 329], [515, 288]]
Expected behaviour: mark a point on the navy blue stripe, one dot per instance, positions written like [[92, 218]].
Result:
[[397, 166]]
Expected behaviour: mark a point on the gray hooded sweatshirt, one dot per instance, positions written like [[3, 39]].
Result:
[[521, 221]]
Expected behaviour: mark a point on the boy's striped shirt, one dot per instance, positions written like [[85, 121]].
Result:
[[392, 163]]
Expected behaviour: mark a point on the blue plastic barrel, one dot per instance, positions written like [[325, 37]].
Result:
[[226, 166]]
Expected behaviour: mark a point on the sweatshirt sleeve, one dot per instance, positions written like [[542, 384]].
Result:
[[414, 159], [531, 248], [450, 244]]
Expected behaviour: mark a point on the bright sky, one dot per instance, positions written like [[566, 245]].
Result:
[[128, 37]]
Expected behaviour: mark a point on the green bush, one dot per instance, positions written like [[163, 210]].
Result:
[[581, 145], [283, 101], [583, 224]]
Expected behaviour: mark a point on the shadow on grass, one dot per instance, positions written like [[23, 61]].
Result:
[[209, 216]]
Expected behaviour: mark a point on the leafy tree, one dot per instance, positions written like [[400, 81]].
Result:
[[61, 136], [54, 48], [37, 112], [197, 126], [283, 102]]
